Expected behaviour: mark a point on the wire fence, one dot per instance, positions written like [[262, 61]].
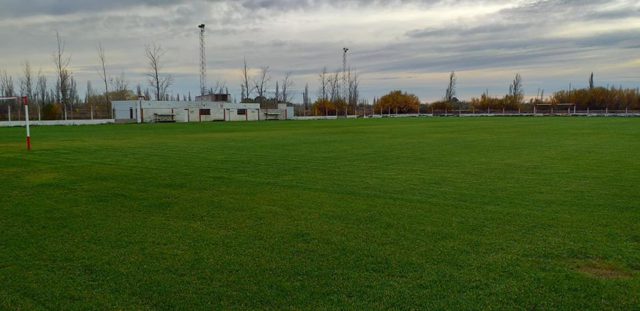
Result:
[[15, 112]]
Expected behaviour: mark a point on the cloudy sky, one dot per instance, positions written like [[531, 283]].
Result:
[[395, 44]]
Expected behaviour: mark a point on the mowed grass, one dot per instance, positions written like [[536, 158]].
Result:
[[440, 213]]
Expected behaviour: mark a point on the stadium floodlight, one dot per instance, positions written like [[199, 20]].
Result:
[[203, 62], [25, 102]]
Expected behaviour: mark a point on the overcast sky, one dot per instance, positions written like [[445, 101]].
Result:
[[402, 44]]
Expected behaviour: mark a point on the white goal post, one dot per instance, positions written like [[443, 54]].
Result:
[[25, 102]]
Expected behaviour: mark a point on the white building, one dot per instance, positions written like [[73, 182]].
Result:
[[195, 111]]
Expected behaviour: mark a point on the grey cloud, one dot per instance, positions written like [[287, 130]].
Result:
[[60, 7], [13, 8], [511, 38], [514, 37]]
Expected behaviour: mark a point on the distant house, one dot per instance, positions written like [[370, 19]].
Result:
[[144, 111]]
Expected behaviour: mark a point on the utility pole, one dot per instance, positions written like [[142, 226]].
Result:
[[203, 63]]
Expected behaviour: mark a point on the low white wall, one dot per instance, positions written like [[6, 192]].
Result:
[[57, 122]]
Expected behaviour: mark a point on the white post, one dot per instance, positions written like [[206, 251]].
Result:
[[139, 111], [26, 120], [9, 114]]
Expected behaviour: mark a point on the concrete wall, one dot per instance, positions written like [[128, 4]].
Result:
[[234, 114]]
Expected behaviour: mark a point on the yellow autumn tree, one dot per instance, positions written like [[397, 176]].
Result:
[[399, 101]]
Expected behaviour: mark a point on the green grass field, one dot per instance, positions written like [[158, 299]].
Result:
[[444, 213]]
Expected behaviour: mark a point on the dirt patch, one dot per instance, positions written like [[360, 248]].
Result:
[[603, 270]]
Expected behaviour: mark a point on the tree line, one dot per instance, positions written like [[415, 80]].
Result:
[[338, 91], [60, 99], [589, 98]]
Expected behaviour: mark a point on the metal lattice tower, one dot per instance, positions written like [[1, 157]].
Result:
[[344, 74], [203, 63]]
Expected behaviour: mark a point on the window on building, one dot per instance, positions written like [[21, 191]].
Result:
[[205, 112], [242, 112]]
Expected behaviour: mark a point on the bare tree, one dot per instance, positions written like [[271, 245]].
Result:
[[154, 55], [515, 90], [334, 86], [74, 96], [305, 98], [119, 87], [61, 62], [245, 81], [7, 90], [324, 84], [277, 97], [26, 82], [103, 71], [88, 97], [41, 92], [119, 83], [591, 86], [262, 83], [354, 85], [51, 97], [219, 88], [287, 84], [451, 88], [6, 84]]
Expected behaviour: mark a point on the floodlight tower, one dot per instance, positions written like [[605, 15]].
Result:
[[345, 87], [344, 58], [203, 63], [344, 66]]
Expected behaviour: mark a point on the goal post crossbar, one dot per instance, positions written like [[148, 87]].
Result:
[[25, 102]]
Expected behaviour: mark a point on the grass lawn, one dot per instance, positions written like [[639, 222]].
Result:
[[433, 213]]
